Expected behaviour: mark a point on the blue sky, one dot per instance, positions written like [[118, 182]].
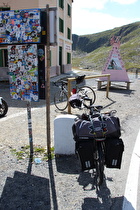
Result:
[[93, 16]]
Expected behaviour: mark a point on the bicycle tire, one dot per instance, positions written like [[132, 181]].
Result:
[[3, 108], [61, 100], [99, 163], [89, 93]]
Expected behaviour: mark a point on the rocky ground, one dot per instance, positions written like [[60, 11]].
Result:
[[58, 183]]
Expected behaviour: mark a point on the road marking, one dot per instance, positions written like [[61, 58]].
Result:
[[8, 117], [130, 196]]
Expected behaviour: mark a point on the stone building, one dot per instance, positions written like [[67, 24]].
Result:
[[61, 53]]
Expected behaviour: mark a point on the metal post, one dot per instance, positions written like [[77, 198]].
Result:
[[30, 128], [47, 83]]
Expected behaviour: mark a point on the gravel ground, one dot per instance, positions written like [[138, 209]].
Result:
[[58, 183]]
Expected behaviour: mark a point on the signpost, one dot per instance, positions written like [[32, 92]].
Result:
[[48, 84], [26, 32]]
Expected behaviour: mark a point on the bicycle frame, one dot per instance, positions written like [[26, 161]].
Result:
[[86, 94]]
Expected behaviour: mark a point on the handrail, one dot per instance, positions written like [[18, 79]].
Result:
[[87, 77]]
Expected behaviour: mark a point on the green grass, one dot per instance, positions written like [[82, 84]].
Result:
[[39, 151]]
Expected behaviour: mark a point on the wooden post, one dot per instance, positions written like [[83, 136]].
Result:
[[47, 84], [108, 85]]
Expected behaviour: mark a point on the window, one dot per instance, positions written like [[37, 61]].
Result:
[[68, 33], [68, 58], [61, 4], [61, 25], [4, 8], [69, 10]]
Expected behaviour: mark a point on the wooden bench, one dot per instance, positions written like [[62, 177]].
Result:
[[99, 84]]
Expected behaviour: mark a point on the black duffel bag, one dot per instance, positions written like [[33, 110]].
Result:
[[112, 126], [97, 127]]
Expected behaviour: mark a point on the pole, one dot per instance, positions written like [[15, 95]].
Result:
[[30, 129], [47, 84]]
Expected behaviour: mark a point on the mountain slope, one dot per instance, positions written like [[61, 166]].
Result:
[[91, 51]]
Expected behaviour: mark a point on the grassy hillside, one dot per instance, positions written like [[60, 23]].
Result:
[[91, 51]]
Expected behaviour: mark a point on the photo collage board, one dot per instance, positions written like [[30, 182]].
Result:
[[23, 31], [20, 26], [23, 72]]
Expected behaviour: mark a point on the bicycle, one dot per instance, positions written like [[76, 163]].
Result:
[[85, 93], [99, 154], [90, 134], [99, 147]]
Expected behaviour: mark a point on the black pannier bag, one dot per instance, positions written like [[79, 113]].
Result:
[[85, 147], [114, 151], [85, 150], [75, 101], [112, 126], [86, 132], [97, 127]]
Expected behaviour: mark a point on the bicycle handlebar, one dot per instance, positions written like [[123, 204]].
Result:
[[94, 108]]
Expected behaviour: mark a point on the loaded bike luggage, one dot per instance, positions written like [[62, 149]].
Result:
[[98, 142], [114, 151]]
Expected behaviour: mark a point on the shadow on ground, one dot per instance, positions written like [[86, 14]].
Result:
[[25, 191]]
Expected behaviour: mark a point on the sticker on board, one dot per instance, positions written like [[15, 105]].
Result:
[[21, 26], [23, 72]]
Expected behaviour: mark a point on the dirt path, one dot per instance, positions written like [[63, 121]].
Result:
[[59, 184]]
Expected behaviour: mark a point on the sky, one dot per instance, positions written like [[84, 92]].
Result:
[[93, 16]]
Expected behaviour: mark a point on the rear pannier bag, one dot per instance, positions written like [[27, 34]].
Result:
[[75, 101], [85, 150], [114, 151]]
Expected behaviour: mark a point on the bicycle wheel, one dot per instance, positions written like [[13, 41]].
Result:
[[61, 100], [87, 94], [3, 108], [99, 163]]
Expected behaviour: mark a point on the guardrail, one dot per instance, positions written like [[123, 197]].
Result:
[[87, 77]]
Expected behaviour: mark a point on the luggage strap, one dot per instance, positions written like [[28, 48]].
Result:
[[104, 129]]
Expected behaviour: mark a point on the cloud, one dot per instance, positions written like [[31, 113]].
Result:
[[89, 16], [88, 22], [124, 1], [98, 4], [90, 4]]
